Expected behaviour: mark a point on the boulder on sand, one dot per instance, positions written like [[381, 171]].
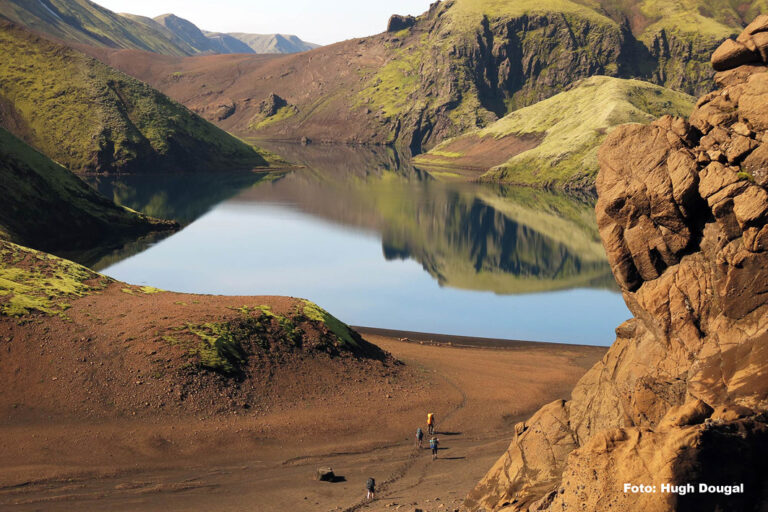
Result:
[[326, 474]]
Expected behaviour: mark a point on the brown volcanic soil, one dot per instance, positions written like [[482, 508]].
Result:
[[89, 422], [480, 153], [109, 359], [319, 83]]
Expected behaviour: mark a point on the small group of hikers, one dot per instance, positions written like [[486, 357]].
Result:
[[434, 442]]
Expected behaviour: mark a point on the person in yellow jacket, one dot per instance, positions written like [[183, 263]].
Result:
[[431, 423]]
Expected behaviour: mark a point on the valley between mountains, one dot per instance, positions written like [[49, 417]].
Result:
[[229, 260]]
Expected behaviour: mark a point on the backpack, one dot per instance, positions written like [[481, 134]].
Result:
[[370, 484]]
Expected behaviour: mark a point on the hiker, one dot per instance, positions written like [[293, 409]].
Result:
[[419, 437], [433, 444], [431, 423], [370, 486]]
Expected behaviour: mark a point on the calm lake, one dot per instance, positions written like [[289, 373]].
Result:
[[379, 243]]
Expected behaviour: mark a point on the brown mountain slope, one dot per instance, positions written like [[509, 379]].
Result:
[[461, 65], [78, 344], [234, 90], [681, 396]]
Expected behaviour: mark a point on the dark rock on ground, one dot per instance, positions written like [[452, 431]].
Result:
[[271, 104], [326, 474]]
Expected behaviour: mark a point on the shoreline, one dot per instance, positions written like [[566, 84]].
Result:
[[426, 338]]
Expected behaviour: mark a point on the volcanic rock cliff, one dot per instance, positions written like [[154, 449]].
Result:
[[682, 395]]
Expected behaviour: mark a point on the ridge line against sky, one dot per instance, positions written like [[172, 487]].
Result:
[[310, 20]]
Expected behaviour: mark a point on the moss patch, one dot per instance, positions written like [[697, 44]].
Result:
[[282, 114], [343, 333], [575, 123], [224, 347], [32, 281]]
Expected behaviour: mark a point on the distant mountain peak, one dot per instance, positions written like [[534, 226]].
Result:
[[85, 22]]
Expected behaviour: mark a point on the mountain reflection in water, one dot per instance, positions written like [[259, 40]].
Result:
[[466, 236]]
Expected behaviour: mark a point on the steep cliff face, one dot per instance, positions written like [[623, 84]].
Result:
[[681, 397], [461, 70], [466, 62], [679, 61]]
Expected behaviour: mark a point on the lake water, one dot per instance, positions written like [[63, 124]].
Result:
[[381, 244]]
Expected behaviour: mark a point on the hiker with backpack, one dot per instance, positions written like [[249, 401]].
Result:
[[370, 486], [431, 423], [433, 444], [419, 437]]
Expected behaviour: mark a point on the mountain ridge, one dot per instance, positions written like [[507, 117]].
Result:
[[460, 66], [86, 22], [51, 89]]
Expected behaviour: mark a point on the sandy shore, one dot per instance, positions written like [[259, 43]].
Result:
[[478, 388]]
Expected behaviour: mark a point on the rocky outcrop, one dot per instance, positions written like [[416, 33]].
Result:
[[681, 397], [271, 104], [751, 47], [398, 22]]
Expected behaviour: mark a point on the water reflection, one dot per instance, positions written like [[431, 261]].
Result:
[[383, 244], [180, 197], [465, 235]]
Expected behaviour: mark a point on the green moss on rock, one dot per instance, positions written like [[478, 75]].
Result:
[[31, 281]]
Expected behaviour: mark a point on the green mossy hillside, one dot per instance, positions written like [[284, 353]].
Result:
[[85, 22], [91, 118], [574, 124], [47, 207], [466, 63], [225, 347], [35, 282]]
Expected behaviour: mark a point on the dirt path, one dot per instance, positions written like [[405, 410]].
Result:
[[267, 462]]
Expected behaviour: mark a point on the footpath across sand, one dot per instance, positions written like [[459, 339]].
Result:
[[478, 390]]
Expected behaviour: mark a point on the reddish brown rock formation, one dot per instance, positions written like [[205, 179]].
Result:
[[682, 395], [750, 47]]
